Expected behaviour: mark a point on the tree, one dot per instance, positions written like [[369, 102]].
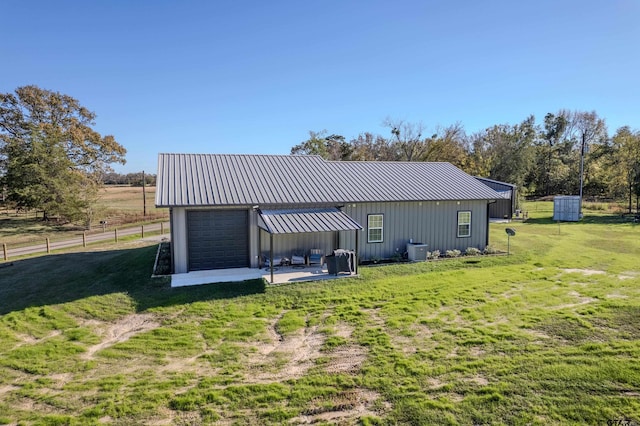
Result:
[[407, 138], [508, 151], [584, 133], [624, 165], [554, 127], [370, 147], [332, 147], [50, 156], [447, 144]]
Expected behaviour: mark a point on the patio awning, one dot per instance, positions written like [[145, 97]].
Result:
[[297, 221]]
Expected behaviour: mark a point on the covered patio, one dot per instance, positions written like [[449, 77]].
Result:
[[305, 221]]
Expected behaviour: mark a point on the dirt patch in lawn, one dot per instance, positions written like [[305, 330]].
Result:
[[375, 319], [435, 383], [540, 337], [477, 380], [418, 336], [7, 389], [284, 357], [121, 331], [27, 339], [346, 408], [346, 359], [582, 300], [586, 272], [628, 275]]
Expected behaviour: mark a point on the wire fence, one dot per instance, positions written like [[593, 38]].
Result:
[[107, 235]]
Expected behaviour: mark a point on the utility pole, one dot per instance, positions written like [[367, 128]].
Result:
[[144, 195], [582, 170]]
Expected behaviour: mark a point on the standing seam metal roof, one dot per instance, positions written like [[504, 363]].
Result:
[[295, 221], [246, 180]]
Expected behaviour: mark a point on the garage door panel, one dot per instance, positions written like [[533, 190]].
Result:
[[218, 239]]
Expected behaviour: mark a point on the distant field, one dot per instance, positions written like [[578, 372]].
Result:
[[129, 199], [118, 205], [549, 335]]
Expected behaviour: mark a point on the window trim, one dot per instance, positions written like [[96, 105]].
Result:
[[459, 223], [369, 228]]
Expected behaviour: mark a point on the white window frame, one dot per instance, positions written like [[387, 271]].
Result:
[[464, 222], [375, 228]]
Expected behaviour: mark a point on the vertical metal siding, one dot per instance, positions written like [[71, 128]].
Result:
[[254, 250], [430, 223], [179, 239], [501, 209], [287, 244]]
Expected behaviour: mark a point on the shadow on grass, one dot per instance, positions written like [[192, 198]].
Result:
[[11, 226], [63, 278], [597, 220]]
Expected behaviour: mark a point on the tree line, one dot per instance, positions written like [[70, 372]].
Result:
[[133, 179], [540, 158], [53, 160]]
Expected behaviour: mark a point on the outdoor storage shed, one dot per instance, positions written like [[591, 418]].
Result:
[[566, 208]]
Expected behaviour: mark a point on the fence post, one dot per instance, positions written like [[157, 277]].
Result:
[[115, 232], [84, 239], [141, 231], [48, 246], [4, 249]]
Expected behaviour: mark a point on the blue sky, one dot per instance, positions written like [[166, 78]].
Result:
[[257, 76]]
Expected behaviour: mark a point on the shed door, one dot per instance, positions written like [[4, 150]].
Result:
[[218, 239]]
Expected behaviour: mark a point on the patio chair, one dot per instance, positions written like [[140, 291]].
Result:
[[277, 261], [315, 257], [297, 259]]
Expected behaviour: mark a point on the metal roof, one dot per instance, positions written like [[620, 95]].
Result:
[[296, 221], [496, 183], [504, 194], [271, 180]]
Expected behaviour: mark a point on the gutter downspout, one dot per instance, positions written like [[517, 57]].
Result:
[[356, 259], [172, 245], [271, 255]]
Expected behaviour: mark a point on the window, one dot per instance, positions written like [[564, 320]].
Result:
[[464, 224], [375, 226]]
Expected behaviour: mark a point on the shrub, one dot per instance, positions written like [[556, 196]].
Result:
[[472, 251], [453, 253], [434, 254], [490, 250]]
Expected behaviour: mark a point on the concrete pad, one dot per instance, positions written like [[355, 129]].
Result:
[[290, 274], [281, 275], [215, 276], [495, 220]]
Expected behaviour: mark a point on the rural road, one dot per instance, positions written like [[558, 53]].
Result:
[[90, 238]]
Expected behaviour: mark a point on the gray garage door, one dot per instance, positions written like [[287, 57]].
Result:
[[218, 239]]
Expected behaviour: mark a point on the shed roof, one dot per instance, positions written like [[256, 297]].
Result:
[[295, 221], [496, 184], [246, 180]]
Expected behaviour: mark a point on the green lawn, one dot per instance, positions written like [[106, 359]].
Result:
[[548, 335]]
